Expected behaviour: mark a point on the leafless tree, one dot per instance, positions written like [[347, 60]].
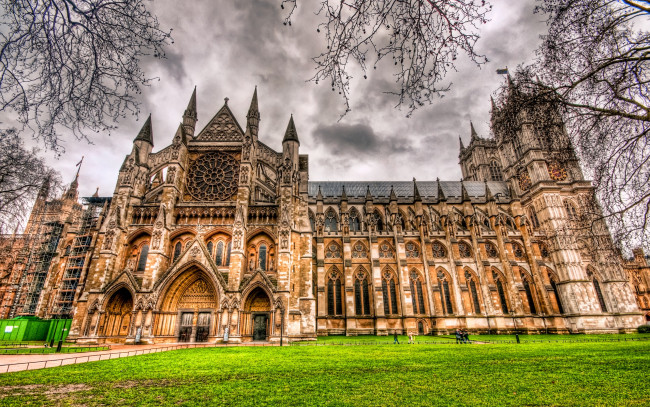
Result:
[[22, 175], [595, 62], [74, 64], [421, 39]]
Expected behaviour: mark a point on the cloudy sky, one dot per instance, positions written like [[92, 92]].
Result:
[[226, 48]]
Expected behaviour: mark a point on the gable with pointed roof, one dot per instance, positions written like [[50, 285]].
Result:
[[222, 127]]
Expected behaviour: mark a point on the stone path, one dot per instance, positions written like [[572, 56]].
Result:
[[17, 363]]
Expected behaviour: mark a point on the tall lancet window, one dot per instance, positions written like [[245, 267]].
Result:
[[262, 257]]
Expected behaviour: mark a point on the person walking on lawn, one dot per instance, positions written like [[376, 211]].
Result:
[[395, 340]]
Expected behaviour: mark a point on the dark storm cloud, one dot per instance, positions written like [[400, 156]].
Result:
[[348, 139], [225, 48], [354, 140]]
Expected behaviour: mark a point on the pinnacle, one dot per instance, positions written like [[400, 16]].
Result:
[[462, 146], [416, 192], [191, 106], [146, 133], [441, 194], [291, 134], [472, 130], [253, 109]]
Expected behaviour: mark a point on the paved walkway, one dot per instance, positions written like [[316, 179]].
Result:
[[16, 363]]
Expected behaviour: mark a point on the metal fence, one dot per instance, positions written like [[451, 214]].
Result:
[[479, 341], [42, 364]]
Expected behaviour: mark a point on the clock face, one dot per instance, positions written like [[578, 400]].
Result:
[[556, 172], [524, 180], [213, 177]]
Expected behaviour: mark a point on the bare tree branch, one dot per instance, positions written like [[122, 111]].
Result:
[[74, 64], [420, 39]]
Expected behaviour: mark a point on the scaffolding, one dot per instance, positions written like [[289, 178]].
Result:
[[78, 257], [38, 267]]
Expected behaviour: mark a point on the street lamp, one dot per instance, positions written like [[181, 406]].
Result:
[[281, 324], [514, 323]]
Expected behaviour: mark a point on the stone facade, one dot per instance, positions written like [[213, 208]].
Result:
[[220, 237]]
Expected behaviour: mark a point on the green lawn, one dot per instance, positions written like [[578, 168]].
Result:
[[369, 339], [604, 373]]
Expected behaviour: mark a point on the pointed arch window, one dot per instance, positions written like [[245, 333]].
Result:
[[518, 251], [334, 293], [445, 293], [331, 222], [354, 223], [359, 251], [177, 250], [491, 250], [333, 251], [227, 263], [417, 294], [501, 292], [529, 294], [379, 225], [210, 247], [464, 250], [412, 251], [473, 292], [312, 222], [599, 293], [438, 250], [601, 298], [389, 290], [144, 252], [219, 255], [261, 257], [557, 296], [543, 250], [386, 251], [361, 294], [495, 171]]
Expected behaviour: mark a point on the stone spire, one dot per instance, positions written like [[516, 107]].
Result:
[[473, 133], [319, 196], [441, 194], [494, 105], [416, 192], [253, 116], [96, 194], [462, 146], [190, 116], [393, 197], [146, 133], [291, 134], [368, 194], [344, 196]]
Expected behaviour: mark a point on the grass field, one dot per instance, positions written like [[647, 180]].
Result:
[[603, 373], [367, 339]]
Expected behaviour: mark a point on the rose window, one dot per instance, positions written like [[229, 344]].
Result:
[[213, 177]]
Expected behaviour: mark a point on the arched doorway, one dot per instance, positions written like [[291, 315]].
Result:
[[258, 309], [188, 310], [117, 318]]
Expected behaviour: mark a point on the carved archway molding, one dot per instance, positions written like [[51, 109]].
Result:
[[192, 256], [124, 280], [195, 269]]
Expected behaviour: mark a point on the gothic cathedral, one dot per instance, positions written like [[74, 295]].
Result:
[[219, 237]]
